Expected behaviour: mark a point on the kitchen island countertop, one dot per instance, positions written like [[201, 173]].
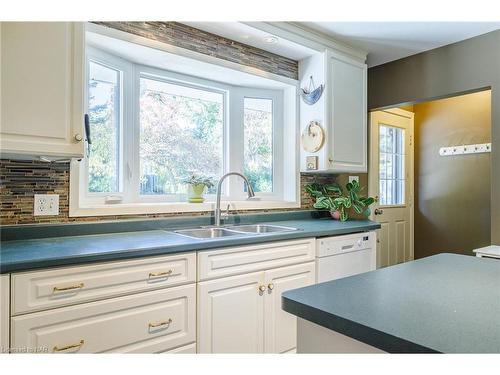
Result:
[[445, 303]]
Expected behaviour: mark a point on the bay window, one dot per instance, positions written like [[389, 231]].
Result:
[[151, 128]]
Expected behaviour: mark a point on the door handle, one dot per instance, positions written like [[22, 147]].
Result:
[[378, 211]]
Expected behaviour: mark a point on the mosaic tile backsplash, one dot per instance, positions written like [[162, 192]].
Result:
[[21, 179]]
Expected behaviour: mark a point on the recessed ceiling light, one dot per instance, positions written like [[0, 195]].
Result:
[[270, 39]]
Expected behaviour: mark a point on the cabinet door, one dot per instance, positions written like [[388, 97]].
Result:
[[348, 139], [231, 314], [4, 313], [280, 326], [42, 88]]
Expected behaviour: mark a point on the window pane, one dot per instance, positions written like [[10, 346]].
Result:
[[391, 166], [104, 116], [258, 143], [181, 133]]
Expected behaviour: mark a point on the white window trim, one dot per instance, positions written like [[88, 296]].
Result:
[[286, 187]]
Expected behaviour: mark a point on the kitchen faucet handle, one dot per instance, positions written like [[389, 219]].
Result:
[[225, 215]]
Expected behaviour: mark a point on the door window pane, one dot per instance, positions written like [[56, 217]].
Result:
[[391, 165], [181, 133], [104, 116], [258, 143]]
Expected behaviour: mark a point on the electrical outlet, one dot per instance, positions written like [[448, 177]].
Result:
[[353, 178], [46, 205]]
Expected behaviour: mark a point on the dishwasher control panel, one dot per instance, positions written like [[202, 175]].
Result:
[[344, 244]]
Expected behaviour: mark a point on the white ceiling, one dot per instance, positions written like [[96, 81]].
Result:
[[249, 35], [388, 41], [384, 41]]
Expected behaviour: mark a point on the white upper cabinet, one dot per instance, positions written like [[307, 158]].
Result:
[[341, 111], [42, 100], [347, 114]]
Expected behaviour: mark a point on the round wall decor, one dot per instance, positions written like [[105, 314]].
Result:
[[312, 137]]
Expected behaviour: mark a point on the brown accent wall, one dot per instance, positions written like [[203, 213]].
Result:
[[184, 36], [452, 194], [463, 67]]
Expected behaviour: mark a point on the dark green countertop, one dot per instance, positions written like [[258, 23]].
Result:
[[445, 303], [20, 255]]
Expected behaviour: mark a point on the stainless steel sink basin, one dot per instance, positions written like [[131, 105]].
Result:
[[247, 229], [261, 228], [206, 233]]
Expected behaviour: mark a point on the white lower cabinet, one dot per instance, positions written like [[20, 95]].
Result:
[[242, 314], [231, 314], [155, 305], [281, 327], [143, 323], [4, 313]]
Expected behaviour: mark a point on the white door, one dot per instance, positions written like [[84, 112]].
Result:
[[231, 314], [42, 88], [391, 180], [280, 326]]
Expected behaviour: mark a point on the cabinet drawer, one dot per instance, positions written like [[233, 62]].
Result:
[[40, 290], [149, 347], [163, 318], [242, 259]]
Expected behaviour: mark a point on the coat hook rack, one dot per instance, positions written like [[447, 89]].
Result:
[[479, 148]]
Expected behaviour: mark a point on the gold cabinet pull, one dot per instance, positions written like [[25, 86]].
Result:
[[262, 288], [270, 286], [160, 274], [73, 346], [160, 324], [66, 288]]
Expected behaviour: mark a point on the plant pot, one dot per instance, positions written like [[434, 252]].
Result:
[[195, 193], [335, 215]]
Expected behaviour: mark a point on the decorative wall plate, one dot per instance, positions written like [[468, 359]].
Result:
[[312, 137], [312, 94]]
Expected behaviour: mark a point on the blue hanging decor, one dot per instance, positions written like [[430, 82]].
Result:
[[312, 94]]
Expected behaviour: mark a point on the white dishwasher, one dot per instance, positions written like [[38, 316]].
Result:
[[347, 255]]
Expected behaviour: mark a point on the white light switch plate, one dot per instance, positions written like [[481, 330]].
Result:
[[353, 178], [46, 205]]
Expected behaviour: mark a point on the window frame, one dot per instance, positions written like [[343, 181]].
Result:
[[141, 71], [403, 166], [125, 68], [233, 132]]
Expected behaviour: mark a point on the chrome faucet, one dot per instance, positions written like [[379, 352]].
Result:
[[217, 211]]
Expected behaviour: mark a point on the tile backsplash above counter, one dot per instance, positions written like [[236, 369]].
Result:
[[22, 179]]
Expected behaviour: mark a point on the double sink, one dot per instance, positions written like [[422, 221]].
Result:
[[218, 232]]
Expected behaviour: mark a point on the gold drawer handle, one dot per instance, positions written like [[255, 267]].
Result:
[[160, 324], [73, 346], [262, 288], [65, 288], [270, 286], [160, 274]]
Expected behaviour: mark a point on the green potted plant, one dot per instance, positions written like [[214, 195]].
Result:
[[331, 197], [196, 187]]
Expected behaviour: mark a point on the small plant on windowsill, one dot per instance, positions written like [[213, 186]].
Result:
[[196, 187], [331, 197]]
